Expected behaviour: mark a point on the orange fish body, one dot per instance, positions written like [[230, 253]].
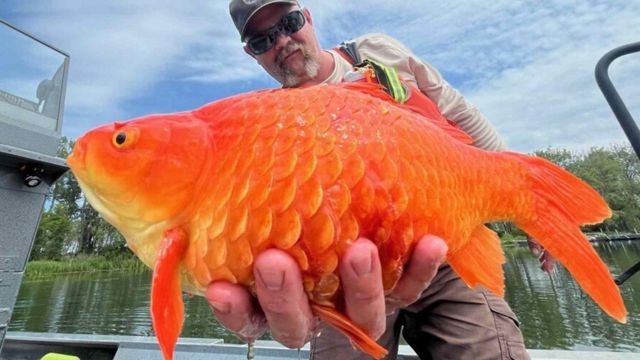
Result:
[[199, 194]]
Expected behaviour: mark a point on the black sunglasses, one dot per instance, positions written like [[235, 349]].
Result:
[[265, 40]]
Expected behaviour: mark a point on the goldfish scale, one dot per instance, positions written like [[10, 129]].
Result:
[[286, 229], [325, 288], [309, 198], [321, 264], [323, 123], [240, 254], [218, 254], [237, 223], [329, 169], [325, 144], [286, 139], [266, 161], [353, 170], [285, 165], [349, 231], [363, 195], [338, 198], [222, 273], [306, 140], [282, 194], [319, 232], [240, 190], [218, 221], [300, 256], [245, 161], [259, 227], [260, 190], [306, 166]]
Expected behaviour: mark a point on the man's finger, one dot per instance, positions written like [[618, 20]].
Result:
[[535, 247], [547, 262], [427, 256], [282, 298], [235, 309], [361, 277]]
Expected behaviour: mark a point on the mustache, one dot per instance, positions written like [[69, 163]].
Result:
[[287, 50]]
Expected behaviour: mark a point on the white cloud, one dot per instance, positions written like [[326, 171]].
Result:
[[528, 66], [119, 49]]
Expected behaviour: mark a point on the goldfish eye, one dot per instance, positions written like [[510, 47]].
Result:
[[120, 138], [125, 138]]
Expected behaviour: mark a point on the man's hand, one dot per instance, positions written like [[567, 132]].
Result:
[[547, 262], [283, 306]]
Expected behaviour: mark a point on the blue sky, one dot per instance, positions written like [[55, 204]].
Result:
[[528, 65]]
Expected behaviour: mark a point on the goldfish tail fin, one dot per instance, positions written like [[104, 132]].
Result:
[[480, 261], [561, 203], [358, 337], [167, 309]]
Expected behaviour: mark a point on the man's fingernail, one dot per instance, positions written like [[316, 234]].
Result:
[[220, 307], [272, 280], [362, 263]]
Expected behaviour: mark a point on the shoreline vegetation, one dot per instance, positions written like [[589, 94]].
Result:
[[39, 269], [81, 264]]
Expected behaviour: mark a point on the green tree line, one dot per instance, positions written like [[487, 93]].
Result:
[[70, 227]]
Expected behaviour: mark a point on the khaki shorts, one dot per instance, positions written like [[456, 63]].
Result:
[[449, 321]]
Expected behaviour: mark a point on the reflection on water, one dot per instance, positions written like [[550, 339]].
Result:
[[554, 312]]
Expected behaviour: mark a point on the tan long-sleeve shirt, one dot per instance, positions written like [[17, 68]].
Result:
[[390, 52]]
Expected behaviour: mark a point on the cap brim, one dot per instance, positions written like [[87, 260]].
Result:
[[244, 28]]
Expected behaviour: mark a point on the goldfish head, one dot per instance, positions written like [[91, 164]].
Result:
[[141, 172]]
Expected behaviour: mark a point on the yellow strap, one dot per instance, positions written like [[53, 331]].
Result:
[[391, 82]]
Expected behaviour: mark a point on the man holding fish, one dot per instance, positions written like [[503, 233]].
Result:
[[442, 317]]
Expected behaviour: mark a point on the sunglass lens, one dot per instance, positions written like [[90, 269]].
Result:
[[293, 22], [261, 43]]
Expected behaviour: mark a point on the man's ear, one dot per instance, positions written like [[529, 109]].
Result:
[[307, 15], [246, 49]]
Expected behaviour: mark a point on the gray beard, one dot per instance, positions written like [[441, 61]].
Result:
[[289, 79]]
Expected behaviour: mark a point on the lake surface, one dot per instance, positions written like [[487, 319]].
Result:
[[554, 312]]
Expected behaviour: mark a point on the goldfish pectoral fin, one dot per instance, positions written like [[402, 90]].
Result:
[[480, 261], [358, 337], [167, 309], [572, 249]]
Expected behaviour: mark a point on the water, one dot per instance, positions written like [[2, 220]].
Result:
[[554, 312]]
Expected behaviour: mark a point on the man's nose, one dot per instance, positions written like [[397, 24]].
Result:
[[281, 40]]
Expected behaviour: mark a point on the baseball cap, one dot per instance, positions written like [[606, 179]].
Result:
[[243, 10]]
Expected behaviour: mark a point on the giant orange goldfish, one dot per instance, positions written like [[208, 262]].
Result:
[[199, 194]]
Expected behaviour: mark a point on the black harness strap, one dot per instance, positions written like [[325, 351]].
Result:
[[349, 48]]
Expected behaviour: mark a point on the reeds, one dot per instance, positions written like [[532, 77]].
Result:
[[79, 264]]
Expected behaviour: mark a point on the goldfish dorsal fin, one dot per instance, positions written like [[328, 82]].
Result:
[[480, 261], [428, 111], [167, 309], [370, 88], [358, 337]]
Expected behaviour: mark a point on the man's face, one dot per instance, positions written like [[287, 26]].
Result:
[[294, 58]]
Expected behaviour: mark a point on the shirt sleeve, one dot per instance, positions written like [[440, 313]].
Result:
[[450, 101]]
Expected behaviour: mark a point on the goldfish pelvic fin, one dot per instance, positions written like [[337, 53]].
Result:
[[561, 203], [167, 309], [480, 261], [358, 337]]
